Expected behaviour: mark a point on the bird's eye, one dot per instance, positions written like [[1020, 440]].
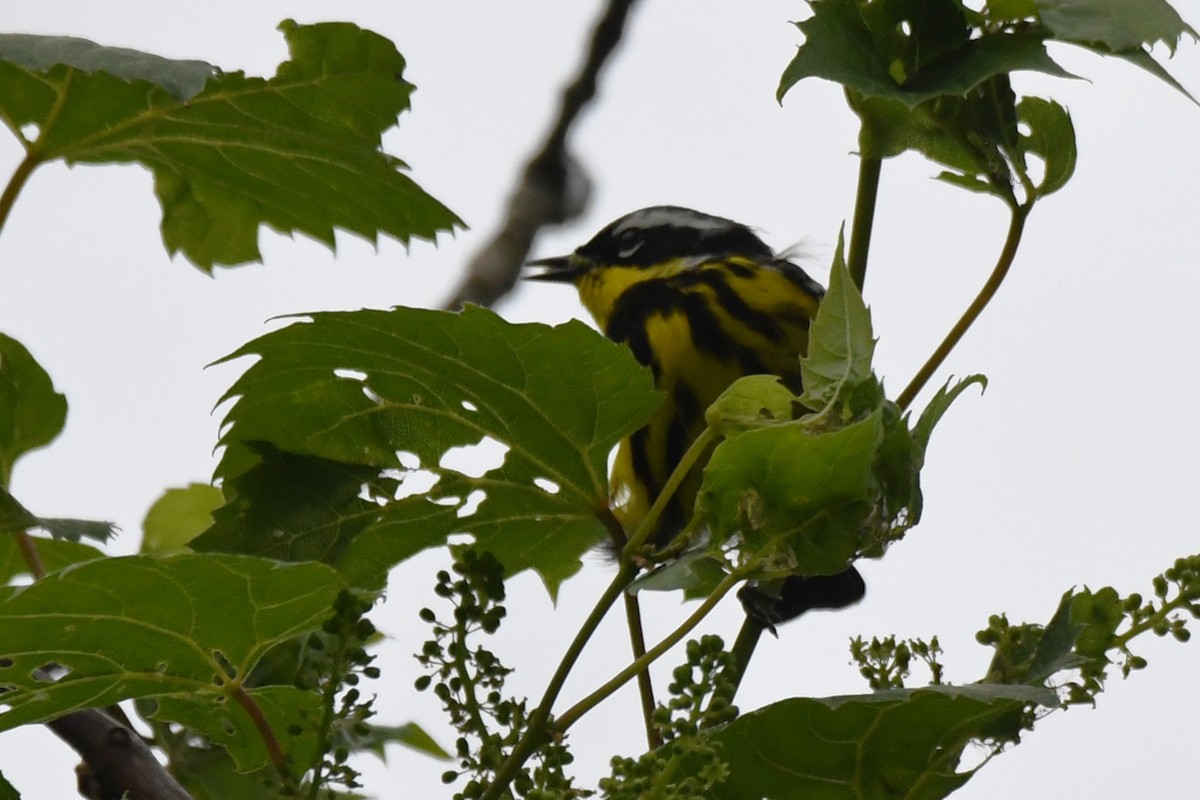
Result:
[[628, 243]]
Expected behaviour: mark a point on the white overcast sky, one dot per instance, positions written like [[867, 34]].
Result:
[[1077, 467]]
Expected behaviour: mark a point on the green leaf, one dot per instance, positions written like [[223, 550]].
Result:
[[1052, 138], [53, 553], [183, 79], [32, 414], [178, 517], [290, 507], [896, 743], [1115, 25], [841, 341], [299, 152], [15, 518], [750, 402], [286, 709], [938, 406], [843, 46], [184, 626], [1011, 10], [791, 497], [411, 735], [7, 790], [395, 391]]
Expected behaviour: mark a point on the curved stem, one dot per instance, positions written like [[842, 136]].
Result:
[[693, 454], [637, 639], [572, 714], [18, 180], [1015, 228], [29, 552], [864, 218], [743, 649], [263, 727]]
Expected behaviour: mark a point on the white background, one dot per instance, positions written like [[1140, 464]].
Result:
[[1077, 467]]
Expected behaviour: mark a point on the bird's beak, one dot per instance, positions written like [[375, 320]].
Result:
[[559, 269]]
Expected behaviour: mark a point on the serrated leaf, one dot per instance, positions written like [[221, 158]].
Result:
[[32, 414], [285, 708], [840, 46], [183, 79], [841, 341], [299, 152], [792, 497], [178, 516], [938, 405], [15, 518], [1115, 25], [359, 388], [897, 743], [184, 626]]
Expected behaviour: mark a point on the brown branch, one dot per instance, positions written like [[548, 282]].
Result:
[[116, 762], [553, 187]]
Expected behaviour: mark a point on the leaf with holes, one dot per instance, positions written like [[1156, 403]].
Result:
[[184, 626], [299, 152], [405, 393]]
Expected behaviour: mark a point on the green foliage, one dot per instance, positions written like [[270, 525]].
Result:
[[355, 389], [177, 517], [32, 413], [249, 684], [184, 627], [808, 495], [299, 152], [15, 518], [894, 743]]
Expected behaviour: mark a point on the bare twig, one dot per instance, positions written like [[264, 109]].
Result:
[[117, 763], [553, 187]]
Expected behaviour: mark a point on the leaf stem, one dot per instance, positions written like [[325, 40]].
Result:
[[18, 180], [572, 714], [263, 727], [743, 649], [30, 553], [637, 639], [648, 524], [869, 169], [1015, 228]]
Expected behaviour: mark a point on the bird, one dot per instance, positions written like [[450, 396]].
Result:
[[701, 301]]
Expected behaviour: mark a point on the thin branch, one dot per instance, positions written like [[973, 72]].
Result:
[[118, 763], [637, 639], [553, 187], [572, 714], [1015, 228]]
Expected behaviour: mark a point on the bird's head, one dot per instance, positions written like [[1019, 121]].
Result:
[[649, 244]]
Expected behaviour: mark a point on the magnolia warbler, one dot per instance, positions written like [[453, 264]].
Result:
[[700, 300]]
